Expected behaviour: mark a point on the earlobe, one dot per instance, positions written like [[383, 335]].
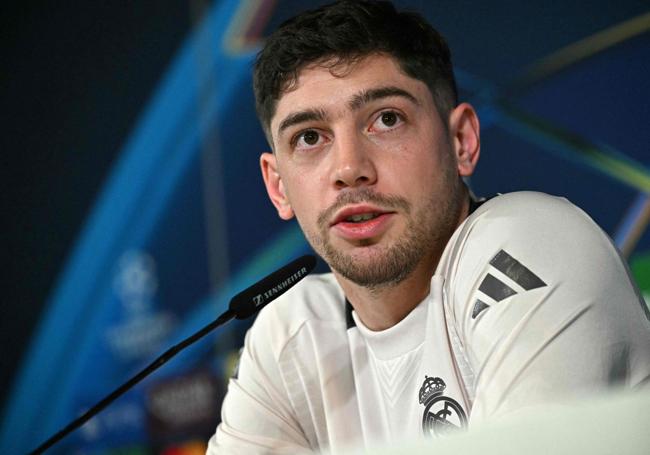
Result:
[[275, 186], [464, 129]]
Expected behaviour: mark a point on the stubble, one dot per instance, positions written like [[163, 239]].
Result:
[[381, 265]]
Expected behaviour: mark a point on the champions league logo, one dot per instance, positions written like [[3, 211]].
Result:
[[441, 414]]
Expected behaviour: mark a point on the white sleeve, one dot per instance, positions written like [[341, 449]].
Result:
[[256, 415], [544, 306]]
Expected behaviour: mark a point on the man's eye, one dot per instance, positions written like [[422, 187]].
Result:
[[307, 139], [386, 121], [389, 118], [310, 137]]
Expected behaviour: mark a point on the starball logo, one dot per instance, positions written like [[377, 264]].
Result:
[[259, 299]]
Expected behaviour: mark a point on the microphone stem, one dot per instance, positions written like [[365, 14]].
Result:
[[157, 363]]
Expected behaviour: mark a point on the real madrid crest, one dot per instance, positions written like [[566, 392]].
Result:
[[441, 414]]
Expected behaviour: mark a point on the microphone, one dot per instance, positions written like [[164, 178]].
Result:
[[242, 306], [252, 299]]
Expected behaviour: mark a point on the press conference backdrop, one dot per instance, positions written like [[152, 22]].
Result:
[[182, 223]]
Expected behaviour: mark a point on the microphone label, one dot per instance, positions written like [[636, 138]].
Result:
[[259, 299]]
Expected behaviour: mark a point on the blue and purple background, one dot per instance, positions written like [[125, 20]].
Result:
[[138, 209]]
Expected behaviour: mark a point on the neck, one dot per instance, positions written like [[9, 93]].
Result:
[[382, 307]]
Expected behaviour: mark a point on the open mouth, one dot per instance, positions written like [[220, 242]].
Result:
[[361, 217], [363, 225]]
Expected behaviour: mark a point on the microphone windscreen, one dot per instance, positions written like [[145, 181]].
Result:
[[252, 299]]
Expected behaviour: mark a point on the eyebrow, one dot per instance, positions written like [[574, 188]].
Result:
[[374, 94], [295, 118]]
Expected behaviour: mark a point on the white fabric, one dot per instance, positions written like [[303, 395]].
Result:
[[308, 382]]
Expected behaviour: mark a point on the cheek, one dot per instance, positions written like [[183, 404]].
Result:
[[420, 168], [304, 195], [409, 163]]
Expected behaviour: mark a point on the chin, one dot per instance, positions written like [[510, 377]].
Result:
[[373, 266]]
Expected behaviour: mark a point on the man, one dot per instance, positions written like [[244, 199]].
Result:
[[440, 312]]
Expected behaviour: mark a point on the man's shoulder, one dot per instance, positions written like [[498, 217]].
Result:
[[316, 300], [317, 297], [546, 234], [530, 216], [524, 205]]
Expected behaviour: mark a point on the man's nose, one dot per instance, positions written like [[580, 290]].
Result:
[[353, 162]]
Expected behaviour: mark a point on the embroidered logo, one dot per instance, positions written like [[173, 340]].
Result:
[[441, 414]]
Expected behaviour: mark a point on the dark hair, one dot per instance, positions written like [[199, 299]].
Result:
[[345, 32]]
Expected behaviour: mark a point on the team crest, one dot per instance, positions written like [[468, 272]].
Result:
[[441, 414]]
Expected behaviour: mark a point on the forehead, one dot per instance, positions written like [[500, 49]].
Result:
[[321, 86]]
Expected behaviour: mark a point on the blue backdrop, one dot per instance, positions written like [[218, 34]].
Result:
[[183, 222]]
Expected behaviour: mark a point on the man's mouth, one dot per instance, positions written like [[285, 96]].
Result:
[[361, 217], [358, 214], [361, 222]]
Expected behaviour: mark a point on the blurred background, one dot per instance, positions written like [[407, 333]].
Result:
[[134, 208]]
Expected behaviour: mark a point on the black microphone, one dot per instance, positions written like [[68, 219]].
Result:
[[241, 306], [250, 300]]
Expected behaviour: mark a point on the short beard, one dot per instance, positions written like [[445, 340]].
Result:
[[425, 235]]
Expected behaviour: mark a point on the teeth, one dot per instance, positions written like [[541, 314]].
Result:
[[362, 217]]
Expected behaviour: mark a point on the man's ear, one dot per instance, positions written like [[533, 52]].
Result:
[[274, 186], [464, 130]]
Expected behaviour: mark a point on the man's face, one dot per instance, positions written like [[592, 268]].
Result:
[[364, 161]]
